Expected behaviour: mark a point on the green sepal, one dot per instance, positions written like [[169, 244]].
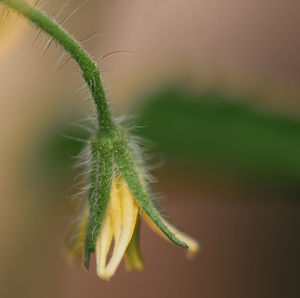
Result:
[[125, 161], [101, 181]]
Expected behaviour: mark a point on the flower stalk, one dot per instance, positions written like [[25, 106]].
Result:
[[88, 67], [119, 193]]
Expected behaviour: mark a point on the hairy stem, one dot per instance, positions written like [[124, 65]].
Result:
[[89, 68]]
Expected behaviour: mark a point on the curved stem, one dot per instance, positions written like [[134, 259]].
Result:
[[89, 68]]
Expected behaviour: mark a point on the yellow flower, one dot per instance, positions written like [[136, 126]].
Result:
[[120, 229], [118, 193], [118, 196]]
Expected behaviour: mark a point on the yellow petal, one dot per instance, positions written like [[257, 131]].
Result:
[[118, 225], [104, 241], [193, 245], [78, 234], [134, 260]]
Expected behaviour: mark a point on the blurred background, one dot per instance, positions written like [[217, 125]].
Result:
[[214, 86]]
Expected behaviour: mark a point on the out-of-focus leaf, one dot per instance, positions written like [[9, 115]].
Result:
[[211, 130]]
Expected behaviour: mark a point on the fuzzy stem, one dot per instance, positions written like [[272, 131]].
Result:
[[89, 68]]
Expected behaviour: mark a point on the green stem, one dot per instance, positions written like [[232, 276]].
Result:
[[89, 68]]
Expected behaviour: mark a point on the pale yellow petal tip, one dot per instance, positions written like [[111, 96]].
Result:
[[137, 267], [136, 264], [73, 257], [194, 248], [105, 275]]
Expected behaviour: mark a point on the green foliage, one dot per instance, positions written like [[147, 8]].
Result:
[[211, 130]]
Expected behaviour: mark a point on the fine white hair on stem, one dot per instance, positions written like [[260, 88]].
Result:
[[80, 88], [39, 38], [60, 11], [40, 6], [82, 174], [74, 138], [88, 129], [87, 98], [82, 163], [89, 37], [63, 64], [66, 18], [59, 58], [88, 122], [113, 53], [47, 46], [57, 16], [77, 195], [83, 159], [81, 180]]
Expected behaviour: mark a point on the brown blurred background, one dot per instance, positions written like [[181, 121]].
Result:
[[238, 196]]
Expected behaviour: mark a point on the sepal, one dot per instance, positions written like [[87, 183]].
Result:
[[124, 159], [101, 181]]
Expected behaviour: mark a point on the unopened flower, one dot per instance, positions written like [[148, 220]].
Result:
[[118, 193], [118, 198]]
